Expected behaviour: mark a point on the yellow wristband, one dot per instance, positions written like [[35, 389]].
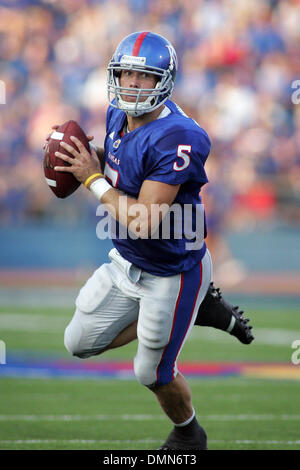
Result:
[[90, 178]]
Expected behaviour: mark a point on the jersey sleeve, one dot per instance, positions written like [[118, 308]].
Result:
[[179, 157]]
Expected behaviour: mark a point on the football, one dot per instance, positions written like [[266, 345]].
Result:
[[63, 184]]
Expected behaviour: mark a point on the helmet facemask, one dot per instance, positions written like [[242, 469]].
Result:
[[155, 97]]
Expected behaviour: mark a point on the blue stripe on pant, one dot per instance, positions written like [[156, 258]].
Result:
[[187, 297]]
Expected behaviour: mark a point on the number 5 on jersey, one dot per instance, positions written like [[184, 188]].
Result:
[[182, 152]]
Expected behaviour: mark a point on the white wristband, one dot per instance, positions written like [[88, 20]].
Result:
[[99, 187]]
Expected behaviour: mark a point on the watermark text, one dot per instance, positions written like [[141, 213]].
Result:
[[296, 354], [296, 94], [157, 222]]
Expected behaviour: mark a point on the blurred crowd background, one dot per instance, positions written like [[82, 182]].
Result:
[[238, 61]]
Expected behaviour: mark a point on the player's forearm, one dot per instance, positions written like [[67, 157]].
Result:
[[142, 215], [128, 211]]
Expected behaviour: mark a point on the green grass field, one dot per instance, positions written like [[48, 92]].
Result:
[[237, 412]]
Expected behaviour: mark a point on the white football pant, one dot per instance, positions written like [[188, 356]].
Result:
[[119, 293]]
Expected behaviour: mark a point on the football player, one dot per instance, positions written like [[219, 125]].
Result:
[[158, 281]]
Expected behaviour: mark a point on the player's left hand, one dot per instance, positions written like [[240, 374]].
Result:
[[83, 165]]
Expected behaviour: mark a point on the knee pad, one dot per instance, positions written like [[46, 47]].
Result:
[[146, 363], [144, 372], [72, 339], [153, 333]]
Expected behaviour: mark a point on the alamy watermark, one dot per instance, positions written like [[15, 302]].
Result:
[[2, 352], [296, 94], [296, 354], [160, 221], [2, 92]]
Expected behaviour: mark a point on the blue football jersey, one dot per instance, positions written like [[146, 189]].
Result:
[[172, 150]]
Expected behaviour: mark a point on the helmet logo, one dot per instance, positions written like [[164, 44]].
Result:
[[132, 60], [173, 57]]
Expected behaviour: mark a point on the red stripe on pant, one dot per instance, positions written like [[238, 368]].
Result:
[[191, 316], [190, 285], [175, 314]]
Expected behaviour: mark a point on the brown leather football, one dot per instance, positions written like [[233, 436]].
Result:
[[62, 183]]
